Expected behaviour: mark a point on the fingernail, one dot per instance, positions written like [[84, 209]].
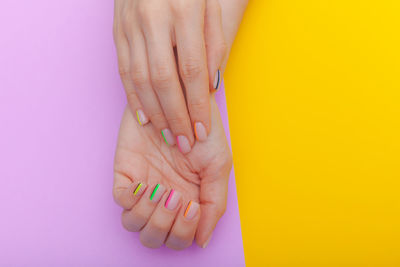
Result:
[[191, 210], [217, 79], [183, 144], [139, 189], [200, 131], [157, 193], [141, 117], [172, 200], [168, 137], [208, 241]]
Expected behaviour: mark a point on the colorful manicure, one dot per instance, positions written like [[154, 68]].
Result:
[[168, 137], [137, 189], [191, 210], [172, 200], [200, 131], [183, 144], [141, 117], [217, 80], [157, 193]]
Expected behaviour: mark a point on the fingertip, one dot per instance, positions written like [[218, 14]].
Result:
[[141, 117]]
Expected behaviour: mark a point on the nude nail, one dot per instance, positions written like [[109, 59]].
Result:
[[173, 200], [217, 79], [191, 210], [208, 241], [183, 144], [141, 117], [200, 131], [157, 193], [139, 189], [168, 137]]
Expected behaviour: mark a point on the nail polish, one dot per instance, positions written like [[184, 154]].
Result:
[[200, 131], [157, 193], [139, 189], [217, 80], [183, 144], [191, 210], [141, 117], [168, 137], [173, 200]]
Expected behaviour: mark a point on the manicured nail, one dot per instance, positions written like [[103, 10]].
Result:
[[168, 137], [139, 189], [208, 241], [172, 200], [183, 144], [217, 80], [157, 193], [191, 210], [200, 131], [141, 117]]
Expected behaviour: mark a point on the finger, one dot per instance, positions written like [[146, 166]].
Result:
[[141, 80], [184, 228], [125, 73], [156, 230], [215, 42], [127, 195], [165, 81], [192, 58], [135, 219], [212, 206]]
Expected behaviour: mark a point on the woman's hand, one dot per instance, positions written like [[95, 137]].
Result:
[[142, 158], [149, 35]]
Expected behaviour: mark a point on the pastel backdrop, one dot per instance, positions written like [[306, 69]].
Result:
[[313, 91], [61, 101]]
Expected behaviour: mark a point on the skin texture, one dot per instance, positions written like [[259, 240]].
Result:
[[149, 34], [201, 175]]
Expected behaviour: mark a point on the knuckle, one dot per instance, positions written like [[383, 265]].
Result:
[[199, 104], [124, 73], [222, 48], [191, 68], [139, 77], [129, 224], [159, 226], [131, 97], [157, 118], [161, 75], [177, 122], [127, 19]]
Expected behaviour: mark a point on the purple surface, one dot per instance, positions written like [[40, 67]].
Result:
[[61, 101]]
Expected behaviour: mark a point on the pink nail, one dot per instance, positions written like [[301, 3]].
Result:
[[141, 117], [200, 131], [183, 144], [168, 137], [191, 210], [172, 200]]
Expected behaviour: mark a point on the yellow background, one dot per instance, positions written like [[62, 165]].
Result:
[[313, 91]]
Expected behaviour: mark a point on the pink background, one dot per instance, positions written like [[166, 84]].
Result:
[[61, 101]]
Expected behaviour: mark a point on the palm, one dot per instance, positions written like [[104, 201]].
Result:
[[200, 175]]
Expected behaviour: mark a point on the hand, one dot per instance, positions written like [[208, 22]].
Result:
[[148, 34], [201, 176]]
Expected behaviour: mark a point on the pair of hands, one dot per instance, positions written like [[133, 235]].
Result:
[[169, 53], [169, 56]]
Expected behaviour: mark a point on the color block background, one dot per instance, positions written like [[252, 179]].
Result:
[[61, 101], [313, 92]]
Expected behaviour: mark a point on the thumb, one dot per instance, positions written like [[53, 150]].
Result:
[[213, 197]]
